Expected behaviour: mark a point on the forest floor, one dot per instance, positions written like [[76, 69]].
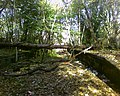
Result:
[[68, 79]]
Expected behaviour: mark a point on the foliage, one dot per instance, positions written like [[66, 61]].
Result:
[[26, 19], [89, 22], [95, 19], [35, 21]]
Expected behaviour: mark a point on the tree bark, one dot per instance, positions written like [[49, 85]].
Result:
[[28, 46]]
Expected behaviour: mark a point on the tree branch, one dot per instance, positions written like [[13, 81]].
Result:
[[4, 5], [83, 51]]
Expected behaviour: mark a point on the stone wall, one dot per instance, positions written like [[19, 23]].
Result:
[[101, 65]]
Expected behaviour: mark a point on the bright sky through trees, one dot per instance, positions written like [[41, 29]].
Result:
[[59, 3], [56, 3]]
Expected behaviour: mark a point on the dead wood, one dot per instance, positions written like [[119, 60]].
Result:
[[28, 46]]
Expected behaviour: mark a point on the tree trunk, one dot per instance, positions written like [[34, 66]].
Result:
[[28, 46]]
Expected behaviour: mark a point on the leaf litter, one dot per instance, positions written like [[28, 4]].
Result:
[[68, 79]]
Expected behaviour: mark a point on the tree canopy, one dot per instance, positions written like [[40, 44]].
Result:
[[81, 21]]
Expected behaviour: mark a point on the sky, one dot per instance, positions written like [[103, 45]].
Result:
[[59, 3], [56, 2]]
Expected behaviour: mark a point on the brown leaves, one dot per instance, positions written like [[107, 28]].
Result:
[[68, 80]]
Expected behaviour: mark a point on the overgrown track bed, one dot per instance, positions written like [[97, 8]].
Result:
[[68, 79], [54, 77]]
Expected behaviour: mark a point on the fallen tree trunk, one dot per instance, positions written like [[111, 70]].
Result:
[[37, 46]]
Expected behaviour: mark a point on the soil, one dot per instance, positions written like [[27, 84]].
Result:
[[68, 79]]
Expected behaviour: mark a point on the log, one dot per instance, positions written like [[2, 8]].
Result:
[[28, 46]]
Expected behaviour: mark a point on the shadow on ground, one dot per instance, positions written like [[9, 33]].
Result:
[[68, 79]]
